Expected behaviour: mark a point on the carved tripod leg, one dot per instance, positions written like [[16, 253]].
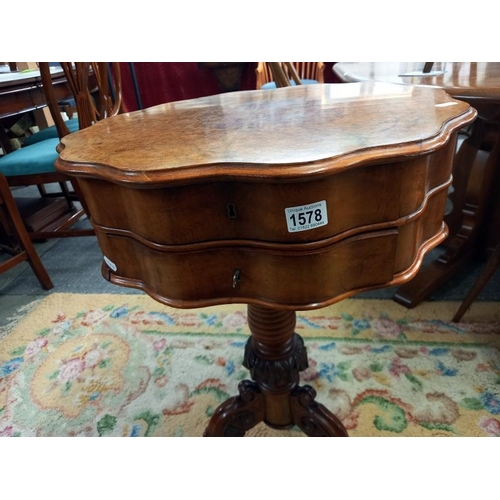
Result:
[[239, 414], [275, 356], [312, 417]]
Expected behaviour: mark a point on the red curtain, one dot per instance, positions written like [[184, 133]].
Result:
[[161, 82]]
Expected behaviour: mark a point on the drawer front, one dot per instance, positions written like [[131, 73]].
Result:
[[354, 199], [420, 230], [210, 276]]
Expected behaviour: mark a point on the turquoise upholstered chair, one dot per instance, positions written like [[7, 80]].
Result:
[[36, 159], [308, 73], [272, 85], [34, 164], [51, 132]]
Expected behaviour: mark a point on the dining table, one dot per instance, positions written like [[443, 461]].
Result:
[[474, 215], [266, 198]]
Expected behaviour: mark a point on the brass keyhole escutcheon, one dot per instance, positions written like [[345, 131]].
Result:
[[231, 211]]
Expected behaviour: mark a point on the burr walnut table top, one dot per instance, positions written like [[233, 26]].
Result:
[[289, 132]]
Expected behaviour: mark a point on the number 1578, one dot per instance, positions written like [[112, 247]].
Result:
[[306, 217]]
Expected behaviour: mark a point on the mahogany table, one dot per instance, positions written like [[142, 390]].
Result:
[[283, 200], [474, 219]]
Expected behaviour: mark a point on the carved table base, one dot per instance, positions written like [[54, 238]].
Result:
[[275, 355]]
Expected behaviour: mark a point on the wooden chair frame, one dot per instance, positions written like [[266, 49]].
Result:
[[21, 246]]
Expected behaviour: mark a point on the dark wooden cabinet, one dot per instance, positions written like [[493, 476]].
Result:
[[474, 217]]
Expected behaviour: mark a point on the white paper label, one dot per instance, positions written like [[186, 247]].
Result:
[[305, 217], [110, 264]]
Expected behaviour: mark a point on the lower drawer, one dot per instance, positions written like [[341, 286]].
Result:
[[299, 278]]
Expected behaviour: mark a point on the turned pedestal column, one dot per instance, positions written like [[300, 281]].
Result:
[[275, 356]]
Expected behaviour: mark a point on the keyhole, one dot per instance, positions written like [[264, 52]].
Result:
[[236, 277], [231, 211]]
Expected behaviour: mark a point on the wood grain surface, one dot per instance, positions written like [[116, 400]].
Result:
[[289, 133]]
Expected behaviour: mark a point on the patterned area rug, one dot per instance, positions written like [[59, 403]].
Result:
[[124, 365]]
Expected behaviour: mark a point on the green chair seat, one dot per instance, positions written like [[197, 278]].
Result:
[[272, 85], [51, 132], [38, 158]]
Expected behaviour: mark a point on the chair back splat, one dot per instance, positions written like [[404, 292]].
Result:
[[96, 88], [284, 74], [99, 97]]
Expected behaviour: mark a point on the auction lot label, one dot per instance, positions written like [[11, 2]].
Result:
[[305, 217]]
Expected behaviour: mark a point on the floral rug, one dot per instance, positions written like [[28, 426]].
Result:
[[124, 365]]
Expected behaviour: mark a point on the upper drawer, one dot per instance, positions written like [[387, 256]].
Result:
[[354, 200]]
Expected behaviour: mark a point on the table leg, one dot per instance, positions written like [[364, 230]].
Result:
[[474, 187], [275, 355]]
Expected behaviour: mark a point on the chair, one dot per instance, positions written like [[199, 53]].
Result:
[[308, 72], [34, 164], [16, 239]]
